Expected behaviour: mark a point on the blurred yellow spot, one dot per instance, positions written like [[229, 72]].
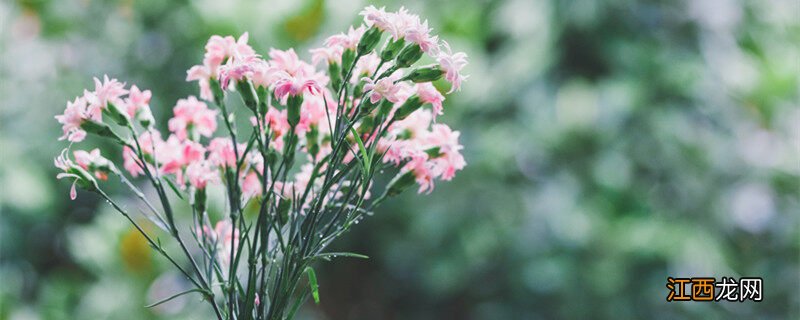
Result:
[[135, 252], [306, 23]]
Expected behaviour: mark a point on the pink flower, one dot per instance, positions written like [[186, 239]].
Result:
[[237, 70], [251, 186], [367, 65], [452, 64], [109, 90], [384, 88], [147, 141], [218, 49], [265, 75], [378, 18], [221, 152], [347, 40], [192, 114], [419, 33], [93, 161], [74, 115], [330, 54], [289, 62], [401, 22], [137, 105], [202, 74], [446, 140], [289, 85], [428, 94], [200, 173], [62, 162], [421, 169], [175, 155]]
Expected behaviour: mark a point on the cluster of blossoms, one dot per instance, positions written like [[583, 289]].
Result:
[[319, 132]]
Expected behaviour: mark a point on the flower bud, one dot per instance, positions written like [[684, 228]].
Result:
[[348, 57], [293, 104], [410, 54], [200, 200], [216, 89], [426, 74], [248, 94], [384, 108], [262, 93], [392, 49], [412, 104], [400, 183], [369, 41], [335, 73]]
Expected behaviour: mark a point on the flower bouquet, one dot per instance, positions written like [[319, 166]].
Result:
[[318, 135]]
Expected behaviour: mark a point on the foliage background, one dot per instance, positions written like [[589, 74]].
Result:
[[610, 145]]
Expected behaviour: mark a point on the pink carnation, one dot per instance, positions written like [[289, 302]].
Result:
[[74, 115], [200, 173], [293, 86], [192, 114], [428, 94], [452, 63], [420, 34], [92, 159], [109, 90], [383, 88], [221, 152]]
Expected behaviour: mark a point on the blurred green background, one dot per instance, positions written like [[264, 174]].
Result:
[[610, 145]]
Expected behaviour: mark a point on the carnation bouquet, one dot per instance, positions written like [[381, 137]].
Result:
[[318, 135]]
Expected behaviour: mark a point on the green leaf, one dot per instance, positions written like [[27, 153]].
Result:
[[174, 188], [366, 161], [312, 282], [329, 255], [173, 297]]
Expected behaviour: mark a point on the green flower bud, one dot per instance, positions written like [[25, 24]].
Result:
[[262, 93], [335, 73], [392, 49], [348, 57], [426, 74], [369, 41], [412, 104], [410, 54], [248, 94], [293, 104], [219, 94], [400, 183], [384, 108], [200, 200]]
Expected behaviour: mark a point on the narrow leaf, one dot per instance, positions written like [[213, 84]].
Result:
[[174, 188], [365, 161], [312, 282], [328, 255], [173, 297]]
